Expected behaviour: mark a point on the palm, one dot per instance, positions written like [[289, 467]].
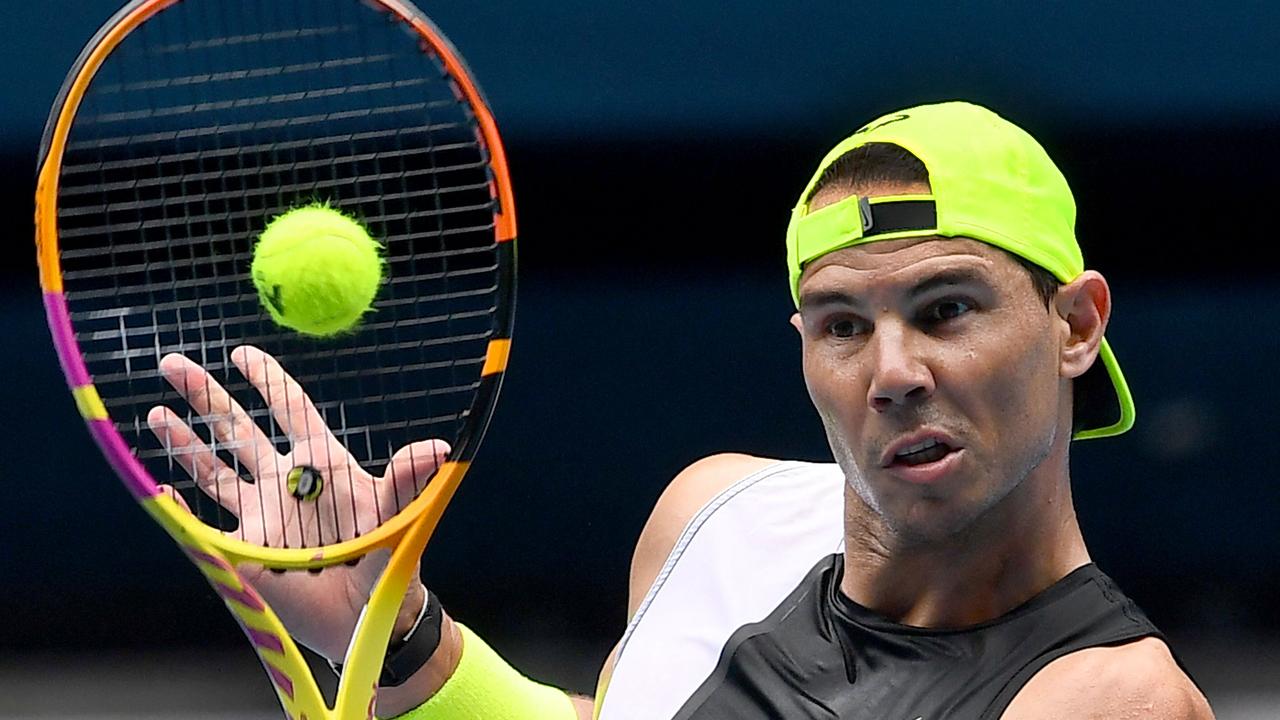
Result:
[[320, 610]]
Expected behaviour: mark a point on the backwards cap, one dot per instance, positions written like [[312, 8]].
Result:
[[989, 181]]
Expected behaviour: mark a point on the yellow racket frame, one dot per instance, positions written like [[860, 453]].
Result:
[[216, 554]]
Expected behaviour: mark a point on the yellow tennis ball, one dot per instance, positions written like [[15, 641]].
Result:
[[316, 270]]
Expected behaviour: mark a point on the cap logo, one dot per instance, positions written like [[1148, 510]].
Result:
[[864, 209], [881, 123]]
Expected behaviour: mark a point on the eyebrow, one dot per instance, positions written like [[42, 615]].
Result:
[[945, 278], [957, 276]]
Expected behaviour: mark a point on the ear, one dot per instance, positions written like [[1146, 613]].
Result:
[[797, 323], [1084, 307]]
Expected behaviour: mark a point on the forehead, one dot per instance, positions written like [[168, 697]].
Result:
[[906, 262]]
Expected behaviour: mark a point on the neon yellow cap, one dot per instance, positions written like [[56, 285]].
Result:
[[989, 181]]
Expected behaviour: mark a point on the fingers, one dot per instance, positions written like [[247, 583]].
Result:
[[232, 426], [290, 406], [211, 475], [408, 472]]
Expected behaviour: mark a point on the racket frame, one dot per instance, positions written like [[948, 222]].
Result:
[[213, 552]]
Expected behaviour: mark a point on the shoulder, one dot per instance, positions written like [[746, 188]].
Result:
[[1139, 679], [683, 497]]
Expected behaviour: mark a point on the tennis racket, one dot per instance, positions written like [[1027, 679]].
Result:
[[272, 458]]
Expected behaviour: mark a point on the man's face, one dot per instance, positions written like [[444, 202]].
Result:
[[935, 367]]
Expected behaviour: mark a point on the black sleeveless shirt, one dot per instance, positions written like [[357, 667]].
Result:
[[821, 655]]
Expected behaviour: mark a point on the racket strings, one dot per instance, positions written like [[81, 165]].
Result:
[[134, 185], [130, 181], [203, 124], [381, 190], [207, 78]]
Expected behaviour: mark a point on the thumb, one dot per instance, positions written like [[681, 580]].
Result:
[[410, 469]]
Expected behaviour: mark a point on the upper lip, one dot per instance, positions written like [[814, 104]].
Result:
[[915, 438]]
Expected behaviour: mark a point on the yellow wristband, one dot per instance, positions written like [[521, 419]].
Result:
[[485, 687]]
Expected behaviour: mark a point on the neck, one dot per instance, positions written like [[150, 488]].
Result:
[[1018, 548]]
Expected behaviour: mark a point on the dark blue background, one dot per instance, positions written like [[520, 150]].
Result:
[[707, 69], [656, 149]]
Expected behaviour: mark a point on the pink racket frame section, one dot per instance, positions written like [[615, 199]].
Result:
[[104, 433]]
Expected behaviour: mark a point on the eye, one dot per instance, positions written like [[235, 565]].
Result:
[[944, 310], [844, 327], [841, 328]]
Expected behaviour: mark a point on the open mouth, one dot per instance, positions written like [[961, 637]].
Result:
[[927, 451]]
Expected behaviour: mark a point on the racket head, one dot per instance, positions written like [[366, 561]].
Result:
[[186, 125]]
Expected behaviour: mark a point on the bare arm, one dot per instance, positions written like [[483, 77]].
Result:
[[1135, 680]]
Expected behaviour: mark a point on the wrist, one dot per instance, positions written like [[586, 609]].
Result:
[[406, 656], [414, 640], [427, 681], [411, 609]]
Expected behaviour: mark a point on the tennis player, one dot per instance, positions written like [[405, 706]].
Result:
[[953, 346]]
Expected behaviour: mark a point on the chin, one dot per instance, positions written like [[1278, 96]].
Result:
[[932, 527], [922, 516], [967, 503]]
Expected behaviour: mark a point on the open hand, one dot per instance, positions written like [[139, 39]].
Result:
[[320, 610]]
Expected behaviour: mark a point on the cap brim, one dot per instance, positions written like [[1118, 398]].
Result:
[[1104, 405]]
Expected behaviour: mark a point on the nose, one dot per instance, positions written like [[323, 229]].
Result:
[[899, 377]]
